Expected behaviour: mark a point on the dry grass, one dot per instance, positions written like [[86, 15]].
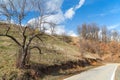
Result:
[[54, 52]]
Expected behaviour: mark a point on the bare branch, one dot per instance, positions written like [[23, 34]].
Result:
[[5, 11], [37, 36], [24, 31], [8, 30], [11, 37], [34, 36], [36, 47], [24, 36], [12, 6]]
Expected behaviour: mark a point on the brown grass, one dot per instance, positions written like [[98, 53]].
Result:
[[59, 59]]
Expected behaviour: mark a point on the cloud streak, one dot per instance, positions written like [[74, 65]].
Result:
[[113, 26], [81, 2], [71, 12]]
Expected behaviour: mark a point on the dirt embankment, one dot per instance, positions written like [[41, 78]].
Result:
[[39, 71]]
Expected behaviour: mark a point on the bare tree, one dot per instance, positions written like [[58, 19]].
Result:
[[52, 27], [40, 8], [89, 31], [84, 31], [4, 10], [9, 10], [114, 35], [104, 33], [42, 21], [94, 31]]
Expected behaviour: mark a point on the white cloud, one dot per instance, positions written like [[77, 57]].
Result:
[[113, 26], [53, 5], [60, 29], [71, 12], [71, 33], [80, 4], [58, 18]]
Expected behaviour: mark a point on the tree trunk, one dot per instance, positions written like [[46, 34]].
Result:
[[22, 58]]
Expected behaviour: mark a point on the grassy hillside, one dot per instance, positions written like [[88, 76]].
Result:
[[54, 52]]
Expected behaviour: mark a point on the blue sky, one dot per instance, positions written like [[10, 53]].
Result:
[[102, 12]]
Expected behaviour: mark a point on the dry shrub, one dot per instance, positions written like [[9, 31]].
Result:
[[99, 47], [89, 46]]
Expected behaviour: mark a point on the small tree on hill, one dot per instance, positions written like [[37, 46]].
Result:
[[18, 10]]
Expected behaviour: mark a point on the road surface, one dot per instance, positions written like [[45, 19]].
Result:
[[106, 72]]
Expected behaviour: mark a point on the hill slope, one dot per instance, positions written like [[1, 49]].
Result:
[[54, 52]]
